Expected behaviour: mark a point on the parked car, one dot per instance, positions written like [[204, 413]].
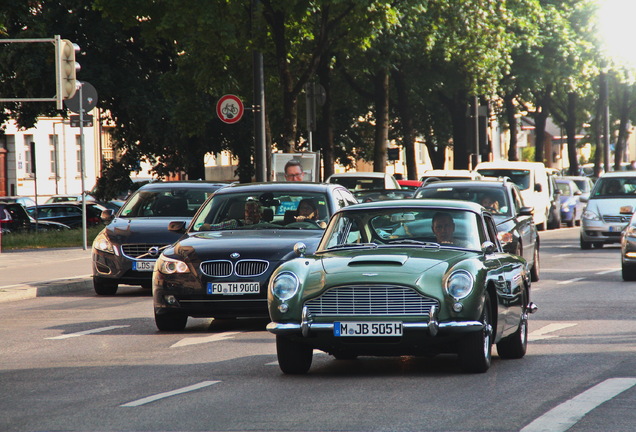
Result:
[[69, 213], [24, 200], [126, 250], [221, 266], [571, 205], [516, 230], [609, 209], [628, 250], [382, 283], [366, 195], [14, 218], [532, 179], [364, 180], [114, 205]]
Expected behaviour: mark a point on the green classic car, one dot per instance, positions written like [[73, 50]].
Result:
[[408, 277]]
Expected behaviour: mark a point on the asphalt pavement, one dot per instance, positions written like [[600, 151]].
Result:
[[40, 272]]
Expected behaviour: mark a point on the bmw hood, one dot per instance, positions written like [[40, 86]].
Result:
[[143, 230], [270, 245]]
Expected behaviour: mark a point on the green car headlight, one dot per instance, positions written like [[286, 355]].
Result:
[[102, 243], [285, 285], [167, 265], [459, 284]]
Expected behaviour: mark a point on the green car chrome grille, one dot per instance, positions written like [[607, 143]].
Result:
[[379, 300]]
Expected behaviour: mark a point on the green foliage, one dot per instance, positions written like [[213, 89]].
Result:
[[51, 239]]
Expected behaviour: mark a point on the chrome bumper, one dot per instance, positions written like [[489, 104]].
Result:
[[307, 326]]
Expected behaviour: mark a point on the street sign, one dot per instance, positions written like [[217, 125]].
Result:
[[75, 120], [229, 109], [393, 154], [89, 98]]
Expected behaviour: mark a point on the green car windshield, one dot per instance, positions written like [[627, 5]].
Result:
[[265, 210], [403, 226]]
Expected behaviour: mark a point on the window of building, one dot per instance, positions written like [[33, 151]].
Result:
[[53, 152], [29, 155]]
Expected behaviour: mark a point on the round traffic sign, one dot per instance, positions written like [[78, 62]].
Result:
[[89, 98], [230, 109]]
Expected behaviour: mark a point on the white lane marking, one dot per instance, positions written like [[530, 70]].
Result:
[[164, 395], [607, 271], [87, 332], [564, 416], [562, 255], [569, 281], [542, 332], [205, 339]]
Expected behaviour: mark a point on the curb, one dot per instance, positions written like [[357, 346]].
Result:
[[42, 289]]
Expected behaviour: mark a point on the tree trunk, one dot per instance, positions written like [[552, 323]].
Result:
[[511, 111], [621, 141], [408, 132], [325, 124], [381, 99], [570, 128], [458, 107]]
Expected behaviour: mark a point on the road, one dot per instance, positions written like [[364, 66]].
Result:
[[75, 361]]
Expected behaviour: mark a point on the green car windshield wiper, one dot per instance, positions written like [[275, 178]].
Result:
[[353, 245], [413, 242]]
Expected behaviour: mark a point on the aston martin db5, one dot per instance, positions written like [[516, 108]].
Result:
[[414, 277]]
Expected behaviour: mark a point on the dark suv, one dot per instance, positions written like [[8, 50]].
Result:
[[516, 229], [126, 250]]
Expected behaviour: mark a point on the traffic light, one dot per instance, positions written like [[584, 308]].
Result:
[[66, 67]]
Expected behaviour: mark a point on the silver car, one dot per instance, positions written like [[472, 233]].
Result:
[[609, 209], [628, 250]]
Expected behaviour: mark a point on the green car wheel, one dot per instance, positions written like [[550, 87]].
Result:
[[475, 351], [293, 358]]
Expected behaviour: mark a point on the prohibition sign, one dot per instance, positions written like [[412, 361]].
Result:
[[229, 109]]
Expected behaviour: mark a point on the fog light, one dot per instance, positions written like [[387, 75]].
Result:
[[283, 307], [170, 299], [630, 254], [457, 307]]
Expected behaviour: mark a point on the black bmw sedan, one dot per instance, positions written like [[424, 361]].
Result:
[[221, 266]]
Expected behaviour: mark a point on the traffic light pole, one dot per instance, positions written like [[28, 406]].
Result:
[[60, 45]]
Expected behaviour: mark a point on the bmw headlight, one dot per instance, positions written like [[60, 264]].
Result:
[[590, 215], [459, 284], [167, 265], [285, 285], [103, 243]]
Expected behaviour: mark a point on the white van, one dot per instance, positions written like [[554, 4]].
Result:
[[532, 179]]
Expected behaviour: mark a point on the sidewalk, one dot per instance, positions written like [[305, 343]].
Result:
[[41, 272]]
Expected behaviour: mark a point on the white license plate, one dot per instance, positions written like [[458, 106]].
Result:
[[234, 288], [143, 266], [616, 228], [365, 328]]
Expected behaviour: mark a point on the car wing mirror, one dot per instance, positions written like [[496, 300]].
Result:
[[584, 198], [177, 226], [488, 247], [300, 248], [526, 211], [107, 215]]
